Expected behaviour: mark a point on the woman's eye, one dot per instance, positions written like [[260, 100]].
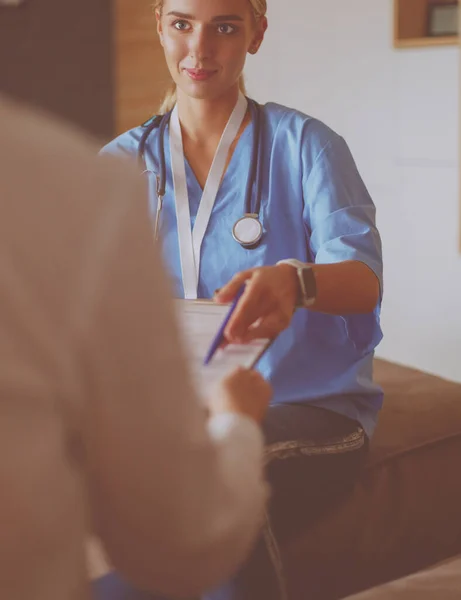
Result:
[[181, 25], [226, 29]]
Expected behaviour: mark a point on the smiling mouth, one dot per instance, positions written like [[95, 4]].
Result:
[[200, 74]]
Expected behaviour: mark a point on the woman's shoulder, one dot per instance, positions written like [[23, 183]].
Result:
[[299, 125], [127, 143]]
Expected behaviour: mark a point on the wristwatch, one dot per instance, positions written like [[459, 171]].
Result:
[[307, 289]]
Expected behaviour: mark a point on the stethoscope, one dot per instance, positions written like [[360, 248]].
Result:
[[248, 230]]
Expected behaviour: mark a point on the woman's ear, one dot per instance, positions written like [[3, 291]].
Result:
[[259, 35], [158, 18]]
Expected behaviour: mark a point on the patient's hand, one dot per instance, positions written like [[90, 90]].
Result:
[[243, 391]]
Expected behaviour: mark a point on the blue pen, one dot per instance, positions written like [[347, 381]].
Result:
[[217, 341]]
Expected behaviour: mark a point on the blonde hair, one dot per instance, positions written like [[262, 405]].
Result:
[[169, 100]]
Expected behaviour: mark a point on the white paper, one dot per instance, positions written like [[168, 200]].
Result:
[[199, 323]]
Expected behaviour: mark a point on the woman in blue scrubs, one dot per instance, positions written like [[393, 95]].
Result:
[[312, 279]]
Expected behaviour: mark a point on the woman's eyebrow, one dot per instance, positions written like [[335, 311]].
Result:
[[227, 18], [180, 15], [190, 17]]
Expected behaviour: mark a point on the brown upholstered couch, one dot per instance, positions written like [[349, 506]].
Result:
[[405, 512], [441, 582]]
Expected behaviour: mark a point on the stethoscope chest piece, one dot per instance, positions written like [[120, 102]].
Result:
[[248, 231]]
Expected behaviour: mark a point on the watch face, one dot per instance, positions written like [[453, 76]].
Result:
[[310, 287]]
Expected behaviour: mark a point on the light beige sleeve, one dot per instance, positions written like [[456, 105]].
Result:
[[177, 501]]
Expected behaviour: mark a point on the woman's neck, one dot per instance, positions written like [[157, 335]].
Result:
[[205, 120]]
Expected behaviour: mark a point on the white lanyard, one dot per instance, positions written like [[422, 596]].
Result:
[[190, 242]]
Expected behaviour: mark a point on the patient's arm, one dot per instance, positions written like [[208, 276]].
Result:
[[177, 498]]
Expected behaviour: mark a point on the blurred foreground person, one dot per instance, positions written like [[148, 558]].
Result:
[[100, 429]]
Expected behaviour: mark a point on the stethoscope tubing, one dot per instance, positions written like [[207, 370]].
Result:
[[255, 176]]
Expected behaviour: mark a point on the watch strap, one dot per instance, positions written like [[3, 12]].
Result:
[[304, 299]]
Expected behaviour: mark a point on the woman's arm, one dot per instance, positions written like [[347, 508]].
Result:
[[271, 293], [343, 241]]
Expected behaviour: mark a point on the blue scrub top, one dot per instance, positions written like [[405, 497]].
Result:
[[316, 208]]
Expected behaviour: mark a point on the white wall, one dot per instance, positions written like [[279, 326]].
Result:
[[398, 110]]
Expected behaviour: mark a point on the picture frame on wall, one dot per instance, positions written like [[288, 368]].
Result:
[[443, 19]]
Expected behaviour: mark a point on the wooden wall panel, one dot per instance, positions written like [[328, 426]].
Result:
[[141, 75]]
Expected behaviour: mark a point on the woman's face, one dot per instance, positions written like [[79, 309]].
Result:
[[206, 42]]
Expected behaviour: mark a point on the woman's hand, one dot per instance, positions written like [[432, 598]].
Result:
[[243, 391], [266, 306]]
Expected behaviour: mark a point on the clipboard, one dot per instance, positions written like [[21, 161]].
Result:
[[200, 320]]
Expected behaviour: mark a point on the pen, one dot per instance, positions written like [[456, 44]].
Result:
[[217, 341]]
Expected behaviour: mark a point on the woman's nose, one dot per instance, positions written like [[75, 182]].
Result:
[[200, 45]]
